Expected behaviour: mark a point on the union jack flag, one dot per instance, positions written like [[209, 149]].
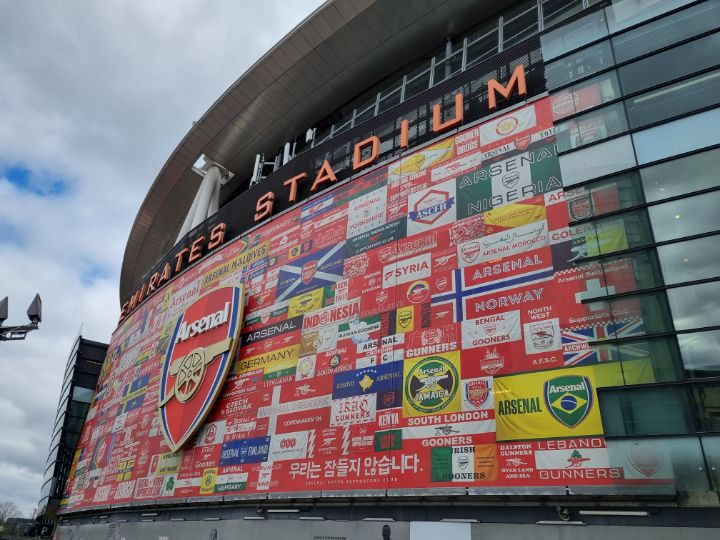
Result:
[[578, 350]]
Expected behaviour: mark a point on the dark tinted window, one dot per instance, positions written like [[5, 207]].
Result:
[[707, 400], [623, 14], [696, 306], [699, 171], [699, 351], [676, 137], [647, 411], [555, 11], [591, 127], [585, 95], [520, 23], [579, 65], [685, 217], [691, 260], [669, 65], [674, 100], [612, 234], [666, 31], [567, 38], [609, 195]]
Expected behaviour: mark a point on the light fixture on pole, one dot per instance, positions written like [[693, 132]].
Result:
[[14, 333]]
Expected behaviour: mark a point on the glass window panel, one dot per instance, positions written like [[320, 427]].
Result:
[[663, 356], [699, 171], [666, 31], [579, 65], [71, 439], [591, 127], [674, 100], [669, 65], [695, 306], [389, 100], [609, 195], [699, 352], [685, 217], [707, 399], [677, 461], [47, 488], [520, 23], [637, 362], [52, 455], [611, 234], [585, 95], [653, 309], [488, 27], [555, 11], [690, 260], [56, 438], [481, 48], [631, 272], [631, 316], [578, 33], [322, 133], [599, 160], [447, 67], [646, 411], [339, 128], [75, 424], [417, 85], [626, 13], [83, 394], [677, 137], [365, 114], [711, 448]]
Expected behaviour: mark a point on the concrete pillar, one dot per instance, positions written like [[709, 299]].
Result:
[[205, 203]]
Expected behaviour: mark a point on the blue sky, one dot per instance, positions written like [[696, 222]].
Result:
[[94, 96], [42, 183]]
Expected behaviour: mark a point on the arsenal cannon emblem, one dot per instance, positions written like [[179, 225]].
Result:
[[197, 362]]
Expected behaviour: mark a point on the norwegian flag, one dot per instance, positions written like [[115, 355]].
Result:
[[463, 286], [578, 348]]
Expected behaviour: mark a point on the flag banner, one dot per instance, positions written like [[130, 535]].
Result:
[[555, 403], [428, 324], [508, 179]]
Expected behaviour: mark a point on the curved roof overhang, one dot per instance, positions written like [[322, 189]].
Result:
[[343, 47]]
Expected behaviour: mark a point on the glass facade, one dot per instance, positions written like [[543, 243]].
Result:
[[640, 162], [78, 389]]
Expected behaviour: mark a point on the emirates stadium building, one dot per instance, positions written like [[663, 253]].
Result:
[[435, 267]]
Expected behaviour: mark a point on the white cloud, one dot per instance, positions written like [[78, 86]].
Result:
[[97, 94]]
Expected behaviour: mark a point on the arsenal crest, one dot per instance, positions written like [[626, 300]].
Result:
[[197, 361], [477, 392], [469, 251], [308, 271], [569, 398], [581, 208]]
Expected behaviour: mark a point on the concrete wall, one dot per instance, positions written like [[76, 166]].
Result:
[[362, 530]]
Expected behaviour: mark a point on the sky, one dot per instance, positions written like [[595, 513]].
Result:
[[94, 96]]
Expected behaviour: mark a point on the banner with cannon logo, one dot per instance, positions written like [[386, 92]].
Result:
[[197, 362]]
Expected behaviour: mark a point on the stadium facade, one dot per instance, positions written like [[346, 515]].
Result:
[[451, 270]]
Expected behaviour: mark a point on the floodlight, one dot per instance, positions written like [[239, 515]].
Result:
[[34, 312]]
